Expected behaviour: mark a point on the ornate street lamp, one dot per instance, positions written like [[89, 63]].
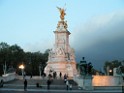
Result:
[[40, 70], [22, 69], [110, 71]]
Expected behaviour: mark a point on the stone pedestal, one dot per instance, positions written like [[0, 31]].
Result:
[[67, 68], [9, 77], [87, 83], [61, 57], [84, 82]]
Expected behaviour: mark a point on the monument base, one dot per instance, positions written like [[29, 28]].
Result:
[[88, 83], [9, 77], [84, 82], [68, 68]]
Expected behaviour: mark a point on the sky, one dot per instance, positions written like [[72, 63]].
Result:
[[96, 26]]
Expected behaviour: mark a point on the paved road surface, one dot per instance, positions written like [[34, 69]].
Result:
[[16, 86], [57, 91]]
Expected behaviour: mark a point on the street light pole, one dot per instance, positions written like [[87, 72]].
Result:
[[22, 69], [110, 72], [40, 70]]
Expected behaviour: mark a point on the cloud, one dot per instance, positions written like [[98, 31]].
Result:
[[100, 39], [38, 46]]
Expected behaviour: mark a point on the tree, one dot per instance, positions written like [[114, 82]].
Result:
[[14, 56], [4, 55], [17, 55], [111, 65]]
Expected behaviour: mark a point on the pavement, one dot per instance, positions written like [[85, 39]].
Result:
[[57, 86], [58, 91]]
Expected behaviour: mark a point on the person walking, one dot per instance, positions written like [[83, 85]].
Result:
[[1, 83], [67, 84], [48, 84], [25, 85], [54, 75], [65, 78], [30, 75], [60, 74], [70, 86]]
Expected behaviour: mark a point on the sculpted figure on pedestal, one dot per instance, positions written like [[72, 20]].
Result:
[[62, 25], [62, 12], [61, 56], [59, 51]]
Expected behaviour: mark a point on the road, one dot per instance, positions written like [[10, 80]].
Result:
[[58, 86], [4, 90]]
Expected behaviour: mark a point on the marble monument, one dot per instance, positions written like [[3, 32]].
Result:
[[61, 56]]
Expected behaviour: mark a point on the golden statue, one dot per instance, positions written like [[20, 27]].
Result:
[[62, 13]]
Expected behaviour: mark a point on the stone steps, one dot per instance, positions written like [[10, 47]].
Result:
[[108, 87], [56, 87], [57, 84]]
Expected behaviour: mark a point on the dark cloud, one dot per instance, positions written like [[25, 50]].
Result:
[[100, 39]]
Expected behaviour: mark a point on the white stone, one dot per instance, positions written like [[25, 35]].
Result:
[[107, 80], [88, 83], [9, 77], [61, 56], [96, 81], [84, 82]]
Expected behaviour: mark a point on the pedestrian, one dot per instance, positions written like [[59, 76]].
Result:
[[70, 86], [1, 83], [30, 75], [67, 84], [60, 74], [44, 75], [50, 76], [54, 75], [48, 84], [24, 75], [65, 78], [25, 85]]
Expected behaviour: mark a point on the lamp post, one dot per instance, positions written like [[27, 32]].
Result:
[[110, 71], [22, 69], [40, 70]]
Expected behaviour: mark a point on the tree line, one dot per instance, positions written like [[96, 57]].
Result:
[[110, 65], [13, 55]]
